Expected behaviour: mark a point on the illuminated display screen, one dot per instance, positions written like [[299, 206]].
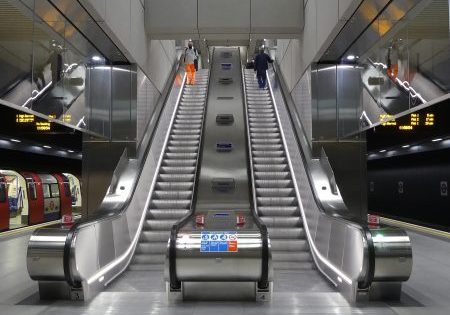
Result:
[[43, 126], [24, 118], [408, 123]]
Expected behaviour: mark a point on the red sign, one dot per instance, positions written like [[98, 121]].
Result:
[[373, 219], [240, 219], [200, 219], [232, 246], [67, 219]]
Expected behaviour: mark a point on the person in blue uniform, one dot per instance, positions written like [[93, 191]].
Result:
[[262, 61]]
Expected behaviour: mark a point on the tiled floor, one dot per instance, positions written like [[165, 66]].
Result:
[[426, 293]]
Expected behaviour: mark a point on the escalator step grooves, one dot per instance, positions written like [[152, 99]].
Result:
[[172, 195], [276, 199]]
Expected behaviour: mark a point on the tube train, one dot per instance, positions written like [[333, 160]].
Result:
[[28, 198]]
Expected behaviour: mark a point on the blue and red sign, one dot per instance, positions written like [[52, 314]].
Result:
[[218, 242]]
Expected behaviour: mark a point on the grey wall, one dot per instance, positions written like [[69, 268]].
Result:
[[123, 21], [323, 20], [132, 102]]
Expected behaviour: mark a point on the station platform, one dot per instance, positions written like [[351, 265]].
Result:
[[143, 292]]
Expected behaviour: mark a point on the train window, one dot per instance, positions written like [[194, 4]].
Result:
[[2, 192], [31, 189], [55, 190], [67, 189], [46, 189]]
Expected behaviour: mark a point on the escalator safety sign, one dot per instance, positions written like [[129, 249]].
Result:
[[218, 242]]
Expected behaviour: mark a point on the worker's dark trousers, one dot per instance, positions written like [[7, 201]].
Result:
[[262, 78]]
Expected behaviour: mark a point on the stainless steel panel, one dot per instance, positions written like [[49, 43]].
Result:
[[324, 92], [98, 96], [45, 254], [123, 103], [231, 164], [393, 254], [348, 99]]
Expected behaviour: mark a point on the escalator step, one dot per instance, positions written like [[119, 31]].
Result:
[[161, 214], [279, 211], [275, 192], [171, 194], [282, 222], [276, 201], [284, 183], [286, 233]]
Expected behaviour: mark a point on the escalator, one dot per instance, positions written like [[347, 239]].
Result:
[[221, 198], [147, 195], [296, 196], [274, 186], [172, 198]]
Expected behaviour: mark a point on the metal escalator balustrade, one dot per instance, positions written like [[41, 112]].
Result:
[[80, 261], [172, 198], [276, 200], [361, 262]]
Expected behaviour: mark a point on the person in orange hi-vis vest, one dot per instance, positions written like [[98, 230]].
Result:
[[190, 55]]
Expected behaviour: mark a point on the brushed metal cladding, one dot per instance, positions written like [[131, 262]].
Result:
[[220, 208], [231, 164], [394, 254], [44, 260]]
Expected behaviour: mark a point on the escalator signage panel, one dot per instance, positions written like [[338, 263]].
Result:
[[219, 242]]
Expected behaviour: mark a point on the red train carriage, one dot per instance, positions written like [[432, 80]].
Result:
[[4, 205], [49, 197]]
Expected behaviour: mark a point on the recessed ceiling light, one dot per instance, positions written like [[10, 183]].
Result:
[[47, 146], [96, 58], [437, 140], [16, 140], [405, 146], [382, 151], [70, 151], [351, 57]]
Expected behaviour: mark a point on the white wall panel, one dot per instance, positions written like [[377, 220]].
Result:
[[158, 64], [171, 17], [99, 8], [282, 16], [327, 19], [138, 38], [219, 16], [309, 36], [298, 65], [118, 18], [282, 45]]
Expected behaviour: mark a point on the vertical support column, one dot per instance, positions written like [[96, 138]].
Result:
[[336, 98], [111, 113]]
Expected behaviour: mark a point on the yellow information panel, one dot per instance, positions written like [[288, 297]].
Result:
[[24, 118], [415, 120], [43, 126]]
